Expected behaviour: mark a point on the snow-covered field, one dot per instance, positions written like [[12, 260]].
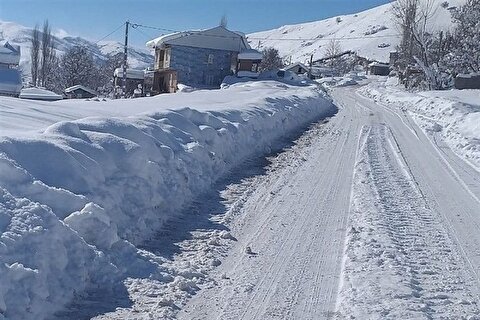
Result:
[[83, 182], [453, 115], [373, 34]]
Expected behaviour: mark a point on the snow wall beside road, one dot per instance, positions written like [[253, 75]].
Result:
[[76, 198]]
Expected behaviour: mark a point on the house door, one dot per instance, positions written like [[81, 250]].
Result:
[[172, 82]]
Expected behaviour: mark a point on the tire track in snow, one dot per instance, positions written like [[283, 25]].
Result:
[[298, 234], [400, 260], [271, 279]]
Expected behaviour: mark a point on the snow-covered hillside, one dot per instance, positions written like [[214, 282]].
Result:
[[372, 34], [21, 35]]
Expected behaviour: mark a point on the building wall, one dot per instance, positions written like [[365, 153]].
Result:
[[80, 94], [248, 65], [467, 81], [380, 70], [195, 68]]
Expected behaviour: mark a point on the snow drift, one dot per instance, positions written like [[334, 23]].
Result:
[[76, 196], [454, 114]]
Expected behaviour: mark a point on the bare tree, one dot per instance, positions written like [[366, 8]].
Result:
[[78, 67], [35, 54], [413, 16], [332, 51], [333, 48], [465, 53], [48, 53]]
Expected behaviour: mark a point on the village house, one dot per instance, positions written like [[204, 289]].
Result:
[[297, 68], [201, 59], [248, 62], [10, 76], [315, 72], [379, 69], [467, 81], [135, 82], [79, 92]]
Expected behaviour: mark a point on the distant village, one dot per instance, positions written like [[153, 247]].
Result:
[[184, 60], [189, 59]]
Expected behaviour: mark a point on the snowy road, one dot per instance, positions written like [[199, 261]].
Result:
[[365, 217]]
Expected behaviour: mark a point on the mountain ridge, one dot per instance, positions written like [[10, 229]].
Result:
[[372, 33], [20, 35]]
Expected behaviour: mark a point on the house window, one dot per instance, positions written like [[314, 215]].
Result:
[[210, 59], [254, 67]]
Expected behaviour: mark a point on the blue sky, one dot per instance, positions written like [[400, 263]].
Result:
[[94, 19]]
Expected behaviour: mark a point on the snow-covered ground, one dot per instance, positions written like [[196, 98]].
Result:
[[373, 34], [368, 191], [453, 115], [411, 248], [164, 207], [83, 182]]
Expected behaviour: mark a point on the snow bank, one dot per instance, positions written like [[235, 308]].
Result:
[[39, 94], [346, 81], [453, 114], [286, 77], [77, 196]]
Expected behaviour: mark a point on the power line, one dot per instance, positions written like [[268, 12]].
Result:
[[149, 37], [135, 25], [108, 35], [322, 39]]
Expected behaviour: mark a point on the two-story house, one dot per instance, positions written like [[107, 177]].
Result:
[[198, 59]]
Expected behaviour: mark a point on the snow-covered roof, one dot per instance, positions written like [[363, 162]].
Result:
[[78, 86], [296, 64], [39, 94], [378, 64], [9, 54], [215, 38], [323, 70], [250, 54], [131, 73]]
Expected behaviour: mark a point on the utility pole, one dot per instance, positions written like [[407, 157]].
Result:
[[124, 94]]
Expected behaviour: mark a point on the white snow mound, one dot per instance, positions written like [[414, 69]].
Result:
[[77, 195]]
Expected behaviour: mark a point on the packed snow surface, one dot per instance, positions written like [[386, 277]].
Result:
[[373, 34], [83, 182], [453, 115], [363, 218]]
